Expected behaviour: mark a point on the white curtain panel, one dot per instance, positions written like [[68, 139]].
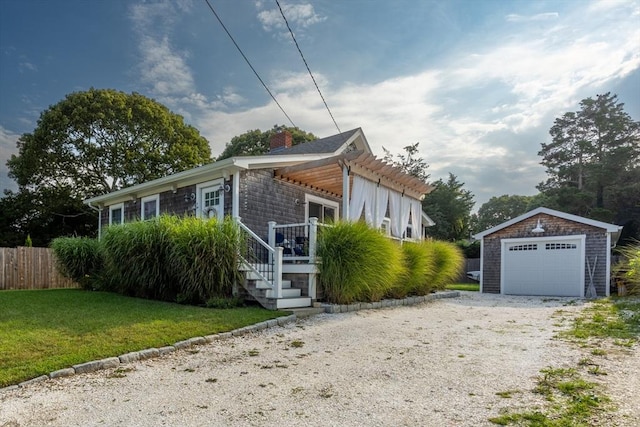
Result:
[[369, 201], [416, 218], [406, 211], [358, 195], [395, 212], [383, 200]]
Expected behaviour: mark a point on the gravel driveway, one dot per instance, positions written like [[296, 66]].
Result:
[[436, 364]]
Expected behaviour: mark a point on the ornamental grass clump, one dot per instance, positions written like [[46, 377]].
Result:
[[358, 263], [627, 271], [204, 254], [449, 262], [419, 268], [137, 259], [79, 259]]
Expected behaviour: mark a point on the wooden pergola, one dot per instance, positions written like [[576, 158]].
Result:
[[334, 175]]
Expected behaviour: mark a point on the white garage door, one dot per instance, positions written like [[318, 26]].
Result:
[[540, 266]]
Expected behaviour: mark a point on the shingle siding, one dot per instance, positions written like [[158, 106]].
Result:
[[595, 245]]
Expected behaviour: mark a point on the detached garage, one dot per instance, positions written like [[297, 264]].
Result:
[[547, 252]]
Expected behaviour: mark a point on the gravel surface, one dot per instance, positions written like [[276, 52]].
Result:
[[435, 364]]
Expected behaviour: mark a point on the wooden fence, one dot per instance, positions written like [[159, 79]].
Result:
[[471, 264], [30, 268]]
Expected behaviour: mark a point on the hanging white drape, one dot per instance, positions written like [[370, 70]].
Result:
[[363, 195], [357, 198], [416, 218], [406, 211], [381, 208], [395, 213]]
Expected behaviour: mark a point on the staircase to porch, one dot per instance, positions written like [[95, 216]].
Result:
[[263, 265], [262, 291]]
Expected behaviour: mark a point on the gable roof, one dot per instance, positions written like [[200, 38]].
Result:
[[334, 144], [610, 228]]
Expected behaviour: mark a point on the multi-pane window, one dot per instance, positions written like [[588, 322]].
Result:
[[211, 198], [149, 208], [553, 246], [324, 212], [525, 247], [116, 214]]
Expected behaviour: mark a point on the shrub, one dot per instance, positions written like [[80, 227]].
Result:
[[419, 264], [627, 271], [80, 259], [357, 263], [205, 256], [449, 262], [137, 259]]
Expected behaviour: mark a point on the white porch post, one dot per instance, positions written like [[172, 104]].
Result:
[[313, 238], [271, 238], [345, 192], [277, 272], [235, 195]]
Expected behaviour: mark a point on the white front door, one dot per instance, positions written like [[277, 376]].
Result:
[[212, 202]]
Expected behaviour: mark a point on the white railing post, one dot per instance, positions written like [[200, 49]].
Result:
[[313, 238], [271, 238], [277, 272]]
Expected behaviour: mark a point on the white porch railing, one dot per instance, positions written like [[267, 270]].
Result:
[[287, 243], [298, 241]]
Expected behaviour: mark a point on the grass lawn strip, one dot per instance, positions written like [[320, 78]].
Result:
[[47, 330], [574, 401]]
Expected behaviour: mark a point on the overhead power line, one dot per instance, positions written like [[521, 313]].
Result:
[[249, 63], [307, 65]]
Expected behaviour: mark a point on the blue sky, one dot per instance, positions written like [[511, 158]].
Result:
[[477, 83]]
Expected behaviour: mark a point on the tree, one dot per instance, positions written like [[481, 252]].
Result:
[[592, 159], [500, 209], [449, 205], [256, 142], [409, 162], [101, 140], [88, 144]]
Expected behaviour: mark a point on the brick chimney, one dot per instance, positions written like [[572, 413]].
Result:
[[280, 140]]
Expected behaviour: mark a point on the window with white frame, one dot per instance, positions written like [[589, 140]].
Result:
[[150, 207], [116, 214], [325, 210]]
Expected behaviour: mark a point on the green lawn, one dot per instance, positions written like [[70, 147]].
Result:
[[464, 287], [45, 330]]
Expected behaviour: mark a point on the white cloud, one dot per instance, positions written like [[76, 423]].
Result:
[[300, 16], [8, 141], [490, 141], [538, 17]]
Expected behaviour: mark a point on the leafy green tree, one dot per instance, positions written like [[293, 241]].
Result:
[[500, 209], [101, 140], [449, 205], [409, 162], [91, 143], [593, 160], [256, 142]]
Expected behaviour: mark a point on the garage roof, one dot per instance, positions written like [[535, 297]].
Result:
[[610, 228]]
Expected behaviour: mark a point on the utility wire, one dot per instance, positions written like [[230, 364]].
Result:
[[249, 63], [307, 65]]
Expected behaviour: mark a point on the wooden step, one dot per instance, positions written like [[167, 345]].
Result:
[[286, 293], [293, 302], [261, 284]]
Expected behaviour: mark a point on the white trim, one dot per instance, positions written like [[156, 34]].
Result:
[[608, 265], [235, 195], [113, 208], [322, 201], [156, 198], [482, 267], [611, 228], [204, 185], [504, 242]]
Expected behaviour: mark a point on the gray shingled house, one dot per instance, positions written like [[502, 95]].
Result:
[[547, 252], [280, 199]]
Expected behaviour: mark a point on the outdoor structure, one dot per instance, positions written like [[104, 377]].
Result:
[[280, 199], [547, 252]]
